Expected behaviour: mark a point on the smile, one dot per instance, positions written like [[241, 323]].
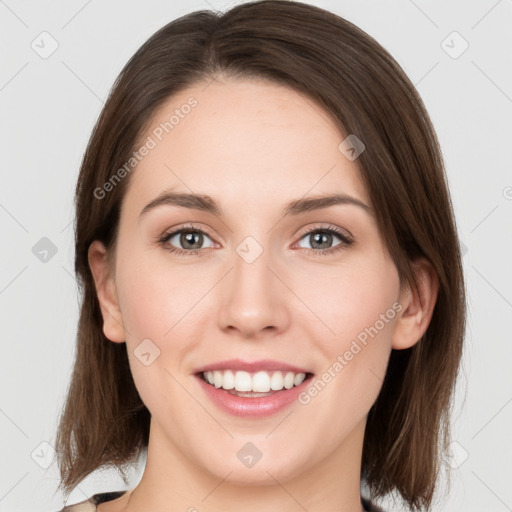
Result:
[[244, 383], [236, 392]]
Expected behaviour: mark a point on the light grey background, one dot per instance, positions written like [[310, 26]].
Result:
[[49, 106]]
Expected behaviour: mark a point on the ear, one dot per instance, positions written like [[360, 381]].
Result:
[[418, 306], [105, 289]]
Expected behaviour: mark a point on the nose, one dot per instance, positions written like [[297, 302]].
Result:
[[254, 302]]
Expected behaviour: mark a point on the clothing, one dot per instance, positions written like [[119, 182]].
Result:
[[90, 504]]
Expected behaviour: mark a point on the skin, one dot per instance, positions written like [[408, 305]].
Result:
[[253, 146]]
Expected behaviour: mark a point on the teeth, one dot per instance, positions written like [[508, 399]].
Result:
[[260, 382]]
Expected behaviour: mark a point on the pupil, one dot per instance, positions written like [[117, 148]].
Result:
[[318, 237], [188, 238]]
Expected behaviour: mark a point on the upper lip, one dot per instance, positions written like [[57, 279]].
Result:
[[250, 366]]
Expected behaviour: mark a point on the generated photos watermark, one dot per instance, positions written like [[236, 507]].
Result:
[[342, 360], [151, 142]]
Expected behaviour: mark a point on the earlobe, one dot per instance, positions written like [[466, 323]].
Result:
[[418, 306], [105, 290]]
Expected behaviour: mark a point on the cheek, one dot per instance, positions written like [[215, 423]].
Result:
[[155, 293], [161, 301], [144, 305], [350, 298], [357, 309], [358, 316], [154, 310]]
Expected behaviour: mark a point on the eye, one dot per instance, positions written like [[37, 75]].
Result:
[[187, 240], [322, 240]]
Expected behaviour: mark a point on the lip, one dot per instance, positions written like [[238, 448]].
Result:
[[251, 366], [256, 406]]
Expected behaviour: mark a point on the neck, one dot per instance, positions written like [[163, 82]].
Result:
[[174, 481]]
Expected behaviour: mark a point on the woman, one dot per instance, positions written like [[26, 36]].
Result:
[[273, 300]]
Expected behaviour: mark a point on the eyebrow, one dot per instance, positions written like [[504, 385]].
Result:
[[206, 203]]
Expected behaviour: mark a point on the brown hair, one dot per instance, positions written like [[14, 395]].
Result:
[[341, 68]]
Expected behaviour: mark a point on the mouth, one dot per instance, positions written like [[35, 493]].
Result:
[[256, 388], [253, 384]]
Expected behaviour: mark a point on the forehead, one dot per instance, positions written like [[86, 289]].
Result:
[[245, 142]]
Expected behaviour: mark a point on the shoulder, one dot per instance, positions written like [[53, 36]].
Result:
[[90, 505]]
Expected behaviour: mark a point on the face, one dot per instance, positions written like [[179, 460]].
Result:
[[310, 288]]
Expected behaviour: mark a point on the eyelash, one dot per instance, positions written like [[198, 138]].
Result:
[[346, 241]]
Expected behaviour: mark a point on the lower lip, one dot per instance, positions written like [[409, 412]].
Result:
[[252, 406]]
